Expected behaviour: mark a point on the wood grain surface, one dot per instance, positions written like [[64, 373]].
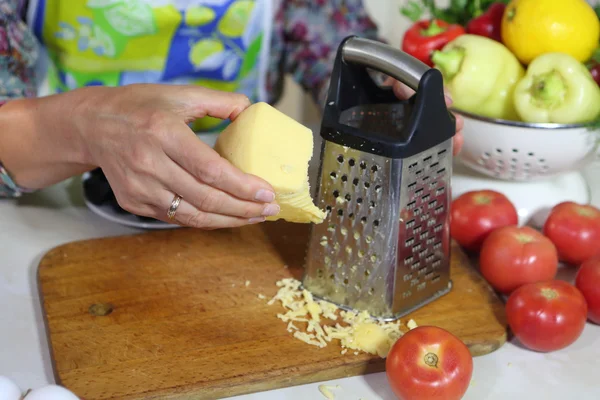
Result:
[[167, 315]]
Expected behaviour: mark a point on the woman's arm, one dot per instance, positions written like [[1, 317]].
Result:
[[18, 54]]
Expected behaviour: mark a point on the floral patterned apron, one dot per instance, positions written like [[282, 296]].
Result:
[[220, 44]]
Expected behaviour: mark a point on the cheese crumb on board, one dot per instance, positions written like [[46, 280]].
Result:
[[247, 283], [411, 324], [326, 391], [318, 323]]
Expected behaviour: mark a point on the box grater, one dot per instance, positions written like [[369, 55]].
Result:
[[384, 180]]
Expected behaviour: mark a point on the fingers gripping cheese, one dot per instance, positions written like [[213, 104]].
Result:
[[265, 142]]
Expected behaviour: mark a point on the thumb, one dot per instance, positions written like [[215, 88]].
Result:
[[192, 102]]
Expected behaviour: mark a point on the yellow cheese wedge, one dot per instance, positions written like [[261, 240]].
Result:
[[265, 142]]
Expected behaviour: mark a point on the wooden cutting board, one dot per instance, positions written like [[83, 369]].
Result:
[[185, 326]]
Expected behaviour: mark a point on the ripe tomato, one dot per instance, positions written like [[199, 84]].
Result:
[[575, 231], [588, 282], [429, 363], [512, 256], [474, 214], [546, 316]]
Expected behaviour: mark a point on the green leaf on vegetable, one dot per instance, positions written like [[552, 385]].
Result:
[[412, 11]]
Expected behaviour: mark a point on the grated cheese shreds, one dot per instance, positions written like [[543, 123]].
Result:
[[326, 391], [411, 324], [321, 322]]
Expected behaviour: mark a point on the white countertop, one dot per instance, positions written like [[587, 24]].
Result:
[[32, 225]]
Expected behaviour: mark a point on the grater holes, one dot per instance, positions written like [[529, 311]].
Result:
[[336, 193], [355, 181], [359, 200], [340, 212], [351, 162], [333, 175], [348, 197], [351, 215], [344, 178], [346, 281], [371, 291], [340, 158], [328, 209], [363, 165], [319, 273], [363, 220], [371, 204], [376, 223], [367, 185], [408, 260], [374, 168]]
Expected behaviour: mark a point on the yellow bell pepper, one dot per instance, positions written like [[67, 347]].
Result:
[[480, 74], [557, 88]]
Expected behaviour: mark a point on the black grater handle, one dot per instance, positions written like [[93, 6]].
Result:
[[421, 122], [386, 59]]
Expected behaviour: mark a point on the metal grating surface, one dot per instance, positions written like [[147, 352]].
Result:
[[358, 257]]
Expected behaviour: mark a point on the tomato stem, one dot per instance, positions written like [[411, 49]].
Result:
[[431, 360], [524, 238], [549, 294], [585, 211]]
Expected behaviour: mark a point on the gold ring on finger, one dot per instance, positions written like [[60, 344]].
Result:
[[174, 205]]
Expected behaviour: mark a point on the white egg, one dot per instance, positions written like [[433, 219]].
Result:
[[51, 392], [9, 390]]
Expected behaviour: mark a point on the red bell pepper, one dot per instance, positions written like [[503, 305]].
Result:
[[428, 35], [489, 23]]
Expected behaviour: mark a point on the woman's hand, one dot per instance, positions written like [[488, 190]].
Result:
[[138, 135], [404, 92]]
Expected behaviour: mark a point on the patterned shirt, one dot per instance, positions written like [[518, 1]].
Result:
[[306, 34]]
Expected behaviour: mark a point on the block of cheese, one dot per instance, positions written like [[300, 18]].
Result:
[[265, 142]]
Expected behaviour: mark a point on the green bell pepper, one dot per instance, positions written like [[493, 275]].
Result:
[[557, 88], [480, 74]]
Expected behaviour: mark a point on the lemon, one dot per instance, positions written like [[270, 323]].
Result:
[[199, 15], [534, 27], [236, 17]]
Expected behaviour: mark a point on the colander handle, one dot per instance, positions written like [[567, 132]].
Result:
[[386, 59]]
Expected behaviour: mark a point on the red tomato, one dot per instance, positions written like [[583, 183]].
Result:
[[588, 282], [513, 256], [429, 363], [575, 231], [475, 214], [546, 316]]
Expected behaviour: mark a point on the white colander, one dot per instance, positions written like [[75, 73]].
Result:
[[515, 151]]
